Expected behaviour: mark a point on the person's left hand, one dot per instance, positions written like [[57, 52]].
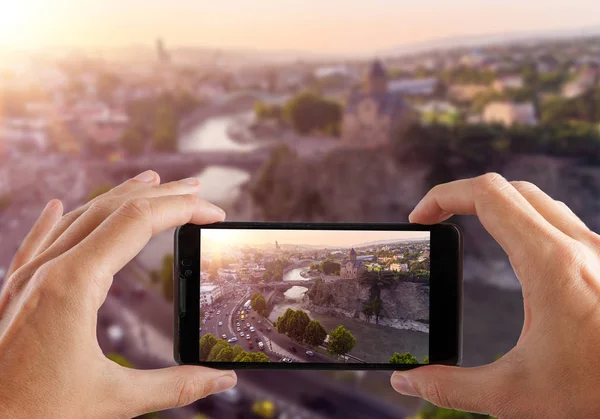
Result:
[[51, 363]]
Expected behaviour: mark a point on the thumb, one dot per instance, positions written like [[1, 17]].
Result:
[[154, 390], [476, 390]]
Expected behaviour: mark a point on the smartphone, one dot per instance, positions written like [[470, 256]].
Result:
[[317, 295]]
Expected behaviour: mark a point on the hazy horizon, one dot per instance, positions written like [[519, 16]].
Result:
[[350, 26], [329, 238]]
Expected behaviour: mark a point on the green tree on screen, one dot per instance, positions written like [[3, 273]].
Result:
[[296, 325], [225, 355], [341, 341], [212, 355], [206, 344], [315, 333], [259, 304], [405, 358]]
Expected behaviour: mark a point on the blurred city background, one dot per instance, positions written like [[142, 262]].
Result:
[[297, 111]]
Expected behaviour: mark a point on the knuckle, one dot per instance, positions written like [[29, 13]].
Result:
[[488, 184], [48, 281], [18, 280], [572, 253], [136, 208], [103, 206], [189, 390]]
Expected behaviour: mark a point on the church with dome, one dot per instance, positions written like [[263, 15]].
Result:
[[351, 267], [374, 114]]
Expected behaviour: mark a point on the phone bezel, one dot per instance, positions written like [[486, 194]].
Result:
[[445, 335]]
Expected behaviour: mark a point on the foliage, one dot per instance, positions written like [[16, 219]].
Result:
[[157, 119], [341, 341], [264, 111], [274, 270], [329, 267], [216, 349], [296, 325], [225, 355], [98, 190], [434, 412], [467, 75], [120, 359], [259, 304], [164, 137], [283, 320], [405, 358], [219, 350], [315, 333], [308, 112], [206, 344], [166, 276], [373, 307], [426, 359]]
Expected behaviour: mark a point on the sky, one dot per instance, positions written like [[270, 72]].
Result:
[[307, 237], [332, 26]]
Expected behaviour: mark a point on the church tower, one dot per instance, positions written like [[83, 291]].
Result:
[[376, 82], [352, 256]]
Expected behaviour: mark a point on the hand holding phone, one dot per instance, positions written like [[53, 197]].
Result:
[[320, 296]]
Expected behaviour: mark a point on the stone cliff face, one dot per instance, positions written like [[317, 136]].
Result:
[[373, 186], [405, 305]]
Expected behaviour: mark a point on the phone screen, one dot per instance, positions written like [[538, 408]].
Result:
[[317, 296]]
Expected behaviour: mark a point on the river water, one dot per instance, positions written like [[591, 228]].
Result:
[[294, 275], [219, 184]]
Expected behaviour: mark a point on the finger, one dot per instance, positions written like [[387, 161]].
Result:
[[143, 180], [479, 390], [556, 213], [42, 227], [153, 390], [103, 208], [502, 210], [125, 233]]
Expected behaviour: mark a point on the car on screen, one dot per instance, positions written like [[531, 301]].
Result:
[[233, 339]]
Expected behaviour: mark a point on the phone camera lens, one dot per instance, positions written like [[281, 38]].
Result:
[[186, 262], [188, 273]]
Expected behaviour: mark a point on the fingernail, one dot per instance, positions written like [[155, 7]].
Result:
[[218, 210], [402, 385], [190, 181], [52, 204], [147, 176], [224, 383]]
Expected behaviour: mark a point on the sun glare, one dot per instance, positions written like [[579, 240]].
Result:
[[16, 21]]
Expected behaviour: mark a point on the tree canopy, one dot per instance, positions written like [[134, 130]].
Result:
[[308, 112], [405, 358], [315, 333], [259, 304], [341, 341]]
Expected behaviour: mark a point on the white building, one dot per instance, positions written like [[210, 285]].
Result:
[[508, 113], [210, 292]]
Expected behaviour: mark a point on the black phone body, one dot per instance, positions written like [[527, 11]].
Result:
[[420, 265]]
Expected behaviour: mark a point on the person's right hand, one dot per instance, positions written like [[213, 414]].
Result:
[[50, 361], [554, 369]]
